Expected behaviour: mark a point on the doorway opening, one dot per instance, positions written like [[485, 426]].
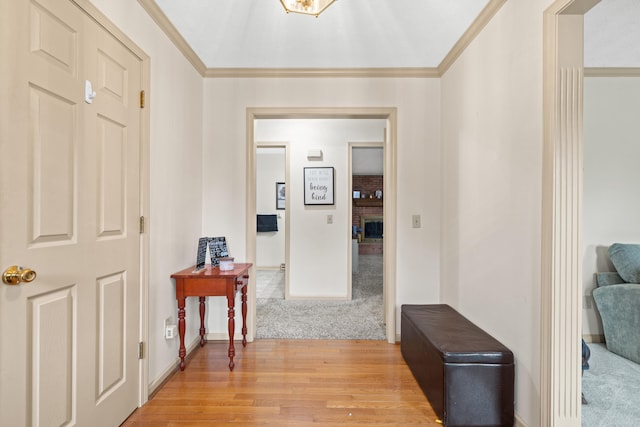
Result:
[[324, 213], [271, 235], [329, 303], [367, 214]]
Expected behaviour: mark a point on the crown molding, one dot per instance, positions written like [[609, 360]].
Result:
[[322, 72], [612, 72], [170, 30], [474, 29]]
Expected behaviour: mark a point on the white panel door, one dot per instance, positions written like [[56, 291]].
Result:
[[69, 184]]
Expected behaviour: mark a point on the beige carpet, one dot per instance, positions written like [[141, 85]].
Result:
[[612, 389], [360, 318]]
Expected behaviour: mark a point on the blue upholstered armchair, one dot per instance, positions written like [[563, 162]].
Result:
[[618, 300]]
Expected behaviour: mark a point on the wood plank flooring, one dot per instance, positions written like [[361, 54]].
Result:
[[291, 383]]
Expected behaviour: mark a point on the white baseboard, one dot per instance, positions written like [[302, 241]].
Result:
[[593, 338], [171, 368], [519, 422]]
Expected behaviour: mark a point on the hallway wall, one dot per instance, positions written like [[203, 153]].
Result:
[[418, 137], [492, 188]]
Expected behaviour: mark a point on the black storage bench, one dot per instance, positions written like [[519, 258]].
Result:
[[467, 375]]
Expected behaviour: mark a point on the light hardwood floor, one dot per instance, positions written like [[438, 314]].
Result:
[[291, 383]]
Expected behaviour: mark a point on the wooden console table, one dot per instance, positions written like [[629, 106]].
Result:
[[210, 281]]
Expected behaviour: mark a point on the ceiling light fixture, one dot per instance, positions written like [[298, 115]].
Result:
[[308, 7]]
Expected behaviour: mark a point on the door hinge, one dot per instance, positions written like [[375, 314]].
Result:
[[141, 224], [141, 99], [141, 350]]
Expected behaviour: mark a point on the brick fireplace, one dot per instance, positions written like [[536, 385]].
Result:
[[368, 208]]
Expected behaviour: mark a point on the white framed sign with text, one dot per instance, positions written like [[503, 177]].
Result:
[[318, 186]]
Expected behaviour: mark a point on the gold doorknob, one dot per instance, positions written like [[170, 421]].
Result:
[[15, 275]]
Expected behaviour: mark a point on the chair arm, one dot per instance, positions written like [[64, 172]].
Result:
[[619, 307], [608, 278]]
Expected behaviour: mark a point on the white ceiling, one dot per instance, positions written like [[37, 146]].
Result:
[[349, 34], [369, 33], [612, 34]]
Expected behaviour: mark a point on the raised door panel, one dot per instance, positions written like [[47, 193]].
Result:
[[112, 178], [53, 324], [53, 39], [113, 78], [52, 167], [112, 342]]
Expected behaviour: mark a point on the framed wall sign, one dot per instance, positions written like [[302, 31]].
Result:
[[318, 186], [280, 195]]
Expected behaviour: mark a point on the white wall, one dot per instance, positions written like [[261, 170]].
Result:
[[492, 174], [417, 101], [175, 214], [318, 250], [611, 175], [270, 168], [367, 161]]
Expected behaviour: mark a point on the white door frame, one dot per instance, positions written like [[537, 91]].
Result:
[[389, 114], [90, 10], [561, 298]]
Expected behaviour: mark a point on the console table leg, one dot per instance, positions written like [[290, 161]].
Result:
[[202, 329], [244, 311], [232, 324], [183, 351]]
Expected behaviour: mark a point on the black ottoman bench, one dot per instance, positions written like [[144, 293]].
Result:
[[467, 375]]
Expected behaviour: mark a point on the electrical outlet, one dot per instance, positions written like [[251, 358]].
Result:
[[169, 328], [415, 221], [329, 219], [170, 332]]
